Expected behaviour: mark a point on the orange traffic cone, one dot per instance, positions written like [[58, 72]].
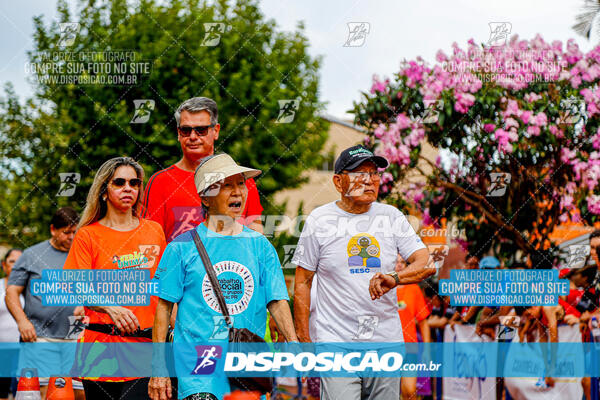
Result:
[[60, 389], [29, 385], [239, 395]]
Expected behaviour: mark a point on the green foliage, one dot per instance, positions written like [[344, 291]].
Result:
[[76, 127]]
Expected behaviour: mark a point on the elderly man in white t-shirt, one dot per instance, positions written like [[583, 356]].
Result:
[[352, 245]]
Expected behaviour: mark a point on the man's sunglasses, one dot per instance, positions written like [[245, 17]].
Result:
[[120, 182], [186, 131]]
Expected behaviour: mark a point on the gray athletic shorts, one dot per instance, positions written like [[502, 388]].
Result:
[[356, 388]]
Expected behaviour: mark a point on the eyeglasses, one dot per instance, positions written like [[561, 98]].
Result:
[[186, 131], [363, 176], [120, 182]]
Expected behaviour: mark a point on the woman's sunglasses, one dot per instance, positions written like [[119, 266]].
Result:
[[120, 182]]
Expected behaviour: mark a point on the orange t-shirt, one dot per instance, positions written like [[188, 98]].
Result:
[[99, 247], [411, 307]]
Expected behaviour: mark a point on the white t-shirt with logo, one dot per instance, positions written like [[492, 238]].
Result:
[[345, 250]]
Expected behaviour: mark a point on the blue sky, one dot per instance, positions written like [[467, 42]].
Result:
[[398, 30]]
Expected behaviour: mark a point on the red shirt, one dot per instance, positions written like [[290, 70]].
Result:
[[172, 201]]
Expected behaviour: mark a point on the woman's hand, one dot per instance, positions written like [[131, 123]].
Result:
[[123, 318], [159, 388]]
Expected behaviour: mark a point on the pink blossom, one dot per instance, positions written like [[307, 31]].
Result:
[[541, 119], [567, 155], [489, 128], [578, 167], [386, 177], [463, 102], [566, 202], [504, 139], [415, 137], [525, 115], [533, 130], [511, 122], [403, 121], [556, 132], [512, 108], [427, 220], [596, 140], [532, 97], [379, 86], [379, 131], [403, 155]]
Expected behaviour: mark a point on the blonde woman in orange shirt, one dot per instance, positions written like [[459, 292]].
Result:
[[112, 235]]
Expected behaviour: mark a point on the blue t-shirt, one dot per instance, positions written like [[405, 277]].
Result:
[[250, 276]]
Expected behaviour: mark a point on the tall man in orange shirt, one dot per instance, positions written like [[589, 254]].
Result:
[[171, 198]]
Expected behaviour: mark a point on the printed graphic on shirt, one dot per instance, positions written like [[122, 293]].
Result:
[[401, 305], [186, 218], [144, 258], [363, 252], [237, 285], [366, 326]]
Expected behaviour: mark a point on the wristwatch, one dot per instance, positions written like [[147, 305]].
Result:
[[395, 276]]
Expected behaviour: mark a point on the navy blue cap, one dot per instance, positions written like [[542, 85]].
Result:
[[354, 156]]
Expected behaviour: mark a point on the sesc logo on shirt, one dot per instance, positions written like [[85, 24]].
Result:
[[363, 253]]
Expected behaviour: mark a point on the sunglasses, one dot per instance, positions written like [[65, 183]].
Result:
[[186, 131], [120, 182]]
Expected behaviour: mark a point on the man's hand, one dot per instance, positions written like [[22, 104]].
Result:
[[571, 319], [123, 318], [79, 311], [27, 331], [381, 284], [159, 388]]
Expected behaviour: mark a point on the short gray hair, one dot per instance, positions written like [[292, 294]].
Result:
[[197, 104]]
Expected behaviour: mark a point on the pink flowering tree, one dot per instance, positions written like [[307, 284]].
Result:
[[524, 117]]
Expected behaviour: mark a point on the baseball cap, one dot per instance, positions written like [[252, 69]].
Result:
[[217, 167], [489, 262], [354, 156]]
